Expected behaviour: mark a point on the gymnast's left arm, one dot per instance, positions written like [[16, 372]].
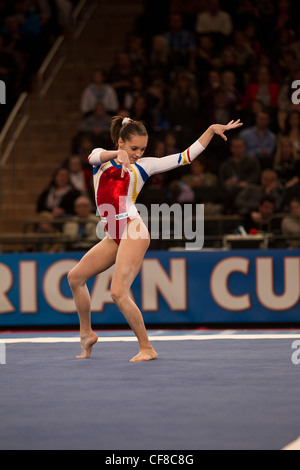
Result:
[[218, 129], [160, 165]]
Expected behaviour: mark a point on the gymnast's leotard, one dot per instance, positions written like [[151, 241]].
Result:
[[115, 196]]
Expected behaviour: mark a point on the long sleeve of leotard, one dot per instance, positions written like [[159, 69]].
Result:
[[154, 165], [94, 157]]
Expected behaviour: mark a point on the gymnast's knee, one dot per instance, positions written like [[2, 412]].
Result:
[[117, 294], [74, 279]]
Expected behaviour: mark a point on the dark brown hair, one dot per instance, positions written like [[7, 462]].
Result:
[[125, 130]]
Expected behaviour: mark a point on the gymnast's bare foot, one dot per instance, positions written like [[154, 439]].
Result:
[[145, 354], [87, 343]]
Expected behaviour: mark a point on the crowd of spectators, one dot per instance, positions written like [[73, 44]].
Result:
[[188, 64], [28, 29]]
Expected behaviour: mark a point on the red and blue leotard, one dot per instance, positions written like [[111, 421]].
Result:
[[115, 196]]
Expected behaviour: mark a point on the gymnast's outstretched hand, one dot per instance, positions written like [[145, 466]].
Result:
[[219, 129]]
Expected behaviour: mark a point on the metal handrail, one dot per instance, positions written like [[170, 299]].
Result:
[[78, 10], [53, 63], [18, 109], [58, 46], [9, 124], [43, 86]]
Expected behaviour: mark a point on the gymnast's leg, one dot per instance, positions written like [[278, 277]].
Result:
[[128, 263], [99, 258]]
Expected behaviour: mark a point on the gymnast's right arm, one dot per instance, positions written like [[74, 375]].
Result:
[[100, 156]]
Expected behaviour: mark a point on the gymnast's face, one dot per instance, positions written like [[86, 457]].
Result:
[[135, 147]]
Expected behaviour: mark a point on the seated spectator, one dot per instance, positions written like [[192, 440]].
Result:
[[97, 124], [248, 116], [296, 44], [248, 198], [171, 144], [199, 185], [181, 42], [265, 60], [183, 106], [214, 20], [80, 177], [292, 129], [232, 95], [156, 103], [221, 110], [137, 88], [83, 144], [214, 82], [199, 175], [228, 61], [246, 13], [262, 89], [243, 51], [260, 141], [159, 61], [260, 218], [290, 225], [140, 112], [288, 59], [81, 229], [292, 189], [23, 33], [153, 20], [120, 76], [180, 192], [208, 95], [98, 92], [58, 198], [203, 59], [46, 227], [136, 53], [48, 15], [250, 31], [11, 70], [285, 16], [285, 163], [238, 171]]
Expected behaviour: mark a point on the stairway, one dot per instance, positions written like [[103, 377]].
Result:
[[46, 140]]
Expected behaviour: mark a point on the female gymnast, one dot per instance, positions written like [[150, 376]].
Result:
[[118, 178]]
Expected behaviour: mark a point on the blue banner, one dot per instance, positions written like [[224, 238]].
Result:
[[203, 287]]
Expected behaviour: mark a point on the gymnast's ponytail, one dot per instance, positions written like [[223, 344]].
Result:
[[124, 128]]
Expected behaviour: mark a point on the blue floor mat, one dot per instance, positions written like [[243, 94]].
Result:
[[197, 395]]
